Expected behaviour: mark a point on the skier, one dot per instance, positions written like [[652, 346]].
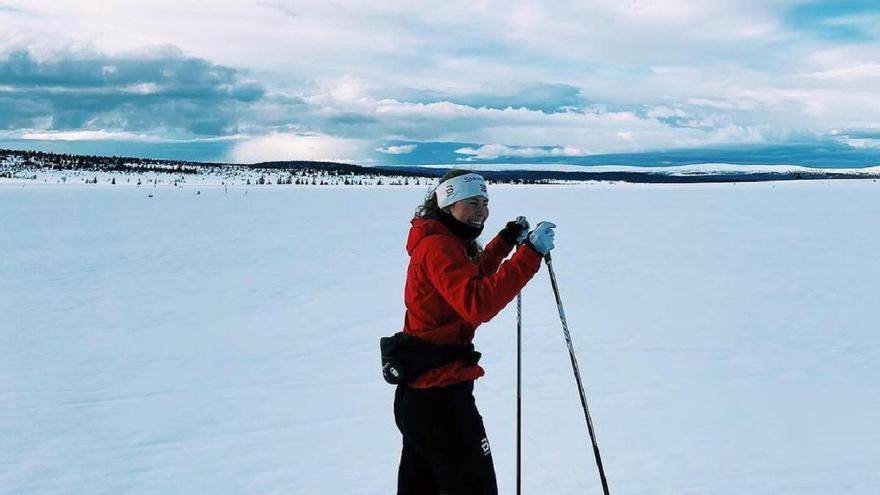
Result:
[[452, 286]]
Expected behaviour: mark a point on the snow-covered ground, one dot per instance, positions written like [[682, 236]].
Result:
[[227, 342]]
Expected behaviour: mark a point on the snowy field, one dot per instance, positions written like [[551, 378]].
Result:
[[228, 343]]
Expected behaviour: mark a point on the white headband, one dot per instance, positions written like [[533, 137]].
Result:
[[459, 188]]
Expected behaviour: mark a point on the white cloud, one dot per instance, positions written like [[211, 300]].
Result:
[[394, 39], [99, 135], [143, 88], [860, 71], [105, 135], [280, 147], [863, 21], [657, 73], [527, 132], [492, 151], [345, 91], [861, 143], [403, 149]]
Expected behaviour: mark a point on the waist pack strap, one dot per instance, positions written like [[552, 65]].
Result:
[[405, 357]]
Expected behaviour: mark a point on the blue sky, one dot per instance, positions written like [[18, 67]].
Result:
[[400, 82]]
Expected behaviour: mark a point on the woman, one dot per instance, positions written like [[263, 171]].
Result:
[[452, 286]]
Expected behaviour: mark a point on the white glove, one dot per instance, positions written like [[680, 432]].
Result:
[[541, 239]]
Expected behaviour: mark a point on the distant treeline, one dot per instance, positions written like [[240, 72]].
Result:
[[92, 163], [313, 169], [348, 169], [339, 169]]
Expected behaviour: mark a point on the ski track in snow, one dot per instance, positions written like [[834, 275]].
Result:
[[228, 342]]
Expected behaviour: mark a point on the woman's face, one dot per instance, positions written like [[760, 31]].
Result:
[[472, 211]]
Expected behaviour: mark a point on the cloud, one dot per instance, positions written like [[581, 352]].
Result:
[[545, 97], [398, 40], [397, 150], [103, 135], [862, 143], [283, 6], [281, 147], [11, 9], [496, 78], [588, 131], [493, 151], [854, 72], [88, 136], [851, 20], [858, 138], [161, 90]]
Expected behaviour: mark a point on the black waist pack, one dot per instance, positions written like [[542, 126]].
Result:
[[405, 358]]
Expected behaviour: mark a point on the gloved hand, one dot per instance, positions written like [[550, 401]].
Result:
[[516, 231], [541, 239]]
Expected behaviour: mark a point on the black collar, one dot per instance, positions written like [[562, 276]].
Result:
[[460, 229]]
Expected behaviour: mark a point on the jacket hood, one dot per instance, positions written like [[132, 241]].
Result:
[[424, 227]]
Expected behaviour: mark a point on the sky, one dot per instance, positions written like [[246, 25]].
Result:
[[407, 83]]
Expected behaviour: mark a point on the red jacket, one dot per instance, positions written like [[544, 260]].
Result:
[[448, 296]]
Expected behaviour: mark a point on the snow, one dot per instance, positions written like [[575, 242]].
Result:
[[227, 342]]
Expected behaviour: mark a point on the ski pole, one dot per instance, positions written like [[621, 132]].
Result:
[[518, 389], [577, 374]]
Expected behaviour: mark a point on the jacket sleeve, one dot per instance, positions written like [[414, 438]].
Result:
[[493, 255], [477, 298]]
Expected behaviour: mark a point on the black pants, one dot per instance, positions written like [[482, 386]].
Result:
[[445, 449]]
